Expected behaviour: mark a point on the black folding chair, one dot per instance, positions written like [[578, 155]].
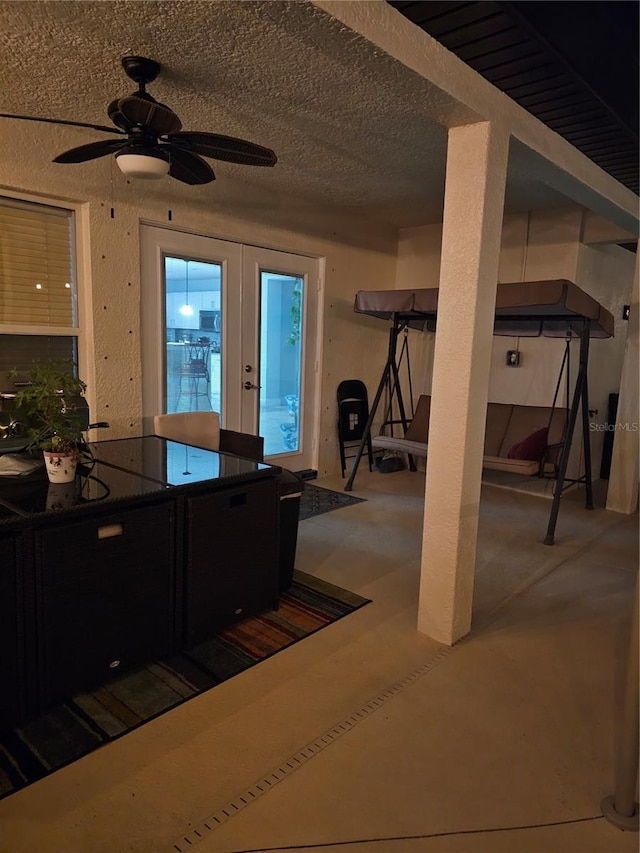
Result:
[[353, 414]]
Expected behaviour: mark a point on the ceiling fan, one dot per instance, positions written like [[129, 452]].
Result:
[[151, 142]]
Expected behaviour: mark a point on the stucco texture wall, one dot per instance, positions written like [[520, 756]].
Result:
[[606, 272], [539, 245], [358, 254]]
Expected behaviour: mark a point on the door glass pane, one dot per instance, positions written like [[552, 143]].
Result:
[[193, 336], [281, 304]]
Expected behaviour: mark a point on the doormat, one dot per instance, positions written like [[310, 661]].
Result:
[[316, 500], [88, 721]]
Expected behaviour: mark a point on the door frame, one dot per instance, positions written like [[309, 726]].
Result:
[[309, 268], [239, 320], [156, 242]]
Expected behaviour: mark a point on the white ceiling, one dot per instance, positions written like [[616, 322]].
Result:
[[351, 126]]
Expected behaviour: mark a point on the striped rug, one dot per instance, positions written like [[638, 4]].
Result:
[[89, 720]]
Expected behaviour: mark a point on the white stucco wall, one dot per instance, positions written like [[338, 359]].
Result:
[[359, 254], [536, 246], [539, 245], [471, 238], [605, 272]]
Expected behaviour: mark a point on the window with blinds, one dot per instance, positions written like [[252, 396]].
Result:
[[37, 280], [19, 352]]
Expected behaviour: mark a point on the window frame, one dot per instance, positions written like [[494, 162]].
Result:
[[83, 331]]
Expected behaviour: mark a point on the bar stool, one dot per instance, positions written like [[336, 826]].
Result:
[[195, 371]]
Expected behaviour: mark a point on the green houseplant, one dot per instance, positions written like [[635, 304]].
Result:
[[53, 425]]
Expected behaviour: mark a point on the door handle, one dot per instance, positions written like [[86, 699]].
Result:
[[249, 386]]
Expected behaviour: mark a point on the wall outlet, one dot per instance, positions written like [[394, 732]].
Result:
[[513, 358]]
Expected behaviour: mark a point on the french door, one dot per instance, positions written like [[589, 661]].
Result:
[[232, 328]]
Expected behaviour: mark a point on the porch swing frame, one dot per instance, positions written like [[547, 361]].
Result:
[[550, 308], [395, 390], [389, 379]]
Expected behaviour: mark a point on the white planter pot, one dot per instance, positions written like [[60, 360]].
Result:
[[61, 467]]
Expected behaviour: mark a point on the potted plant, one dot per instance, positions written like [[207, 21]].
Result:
[[52, 422]]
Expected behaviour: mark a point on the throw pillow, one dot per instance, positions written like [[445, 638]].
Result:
[[531, 448]]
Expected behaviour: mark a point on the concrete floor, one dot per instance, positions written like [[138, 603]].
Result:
[[372, 734]]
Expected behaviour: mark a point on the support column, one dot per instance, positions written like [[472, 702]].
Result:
[[622, 495], [473, 211]]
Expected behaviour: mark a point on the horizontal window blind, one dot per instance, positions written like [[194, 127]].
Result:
[[37, 282]]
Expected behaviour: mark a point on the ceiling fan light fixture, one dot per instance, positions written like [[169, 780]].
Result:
[[149, 142], [149, 166]]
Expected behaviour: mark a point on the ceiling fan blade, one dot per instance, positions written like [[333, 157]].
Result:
[[188, 167], [150, 114], [91, 151], [225, 148], [61, 121]]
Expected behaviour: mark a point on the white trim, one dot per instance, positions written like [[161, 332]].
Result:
[[155, 242], [311, 270], [171, 226], [241, 266], [84, 295]]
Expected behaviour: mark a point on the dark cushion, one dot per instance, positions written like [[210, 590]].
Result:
[[531, 448], [242, 444], [418, 429]]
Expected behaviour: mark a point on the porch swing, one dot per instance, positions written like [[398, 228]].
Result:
[[557, 308]]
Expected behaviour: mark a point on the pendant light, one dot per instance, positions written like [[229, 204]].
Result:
[[186, 310]]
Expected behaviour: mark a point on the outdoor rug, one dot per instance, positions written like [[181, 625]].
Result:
[[89, 720], [315, 500]]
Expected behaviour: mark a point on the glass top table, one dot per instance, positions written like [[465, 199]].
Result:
[[121, 469], [174, 463]]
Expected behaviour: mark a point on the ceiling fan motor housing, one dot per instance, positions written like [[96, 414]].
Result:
[[140, 69]]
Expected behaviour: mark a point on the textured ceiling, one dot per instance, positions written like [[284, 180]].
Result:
[[351, 127]]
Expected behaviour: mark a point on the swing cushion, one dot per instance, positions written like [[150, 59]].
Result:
[[418, 429], [531, 448], [525, 420], [510, 429], [498, 417], [416, 436]]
